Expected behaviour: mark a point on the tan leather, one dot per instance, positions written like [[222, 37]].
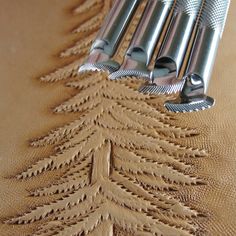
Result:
[[203, 174]]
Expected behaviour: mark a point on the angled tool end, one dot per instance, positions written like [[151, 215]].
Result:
[[99, 61], [153, 88], [192, 97], [182, 106], [130, 68], [165, 82], [108, 66], [120, 74]]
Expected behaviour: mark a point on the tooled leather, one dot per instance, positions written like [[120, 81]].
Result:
[[199, 188]]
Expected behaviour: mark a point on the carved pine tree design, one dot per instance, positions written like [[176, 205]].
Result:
[[122, 163]]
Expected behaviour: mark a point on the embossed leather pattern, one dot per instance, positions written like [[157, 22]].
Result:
[[82, 155]]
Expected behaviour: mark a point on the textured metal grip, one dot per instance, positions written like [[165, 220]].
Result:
[[115, 25], [190, 7], [177, 39], [214, 14], [209, 33]]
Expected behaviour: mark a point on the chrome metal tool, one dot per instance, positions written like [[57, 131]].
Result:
[[197, 77], [144, 41], [110, 36], [164, 77]]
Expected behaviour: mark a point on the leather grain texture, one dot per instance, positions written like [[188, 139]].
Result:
[[99, 151]]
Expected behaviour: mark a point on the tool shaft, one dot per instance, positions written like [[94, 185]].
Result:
[[149, 30], [203, 54], [176, 42], [115, 25]]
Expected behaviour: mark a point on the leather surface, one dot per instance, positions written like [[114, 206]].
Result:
[[32, 34]]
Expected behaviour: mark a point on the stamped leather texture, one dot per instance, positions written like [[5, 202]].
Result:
[[82, 155]]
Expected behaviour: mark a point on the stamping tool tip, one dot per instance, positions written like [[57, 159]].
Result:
[[198, 104], [101, 66], [119, 74]]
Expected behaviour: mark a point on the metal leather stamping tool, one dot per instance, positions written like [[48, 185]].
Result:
[[144, 41], [197, 77], [110, 36], [164, 77]]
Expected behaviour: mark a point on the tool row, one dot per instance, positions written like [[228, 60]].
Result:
[[182, 25]]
